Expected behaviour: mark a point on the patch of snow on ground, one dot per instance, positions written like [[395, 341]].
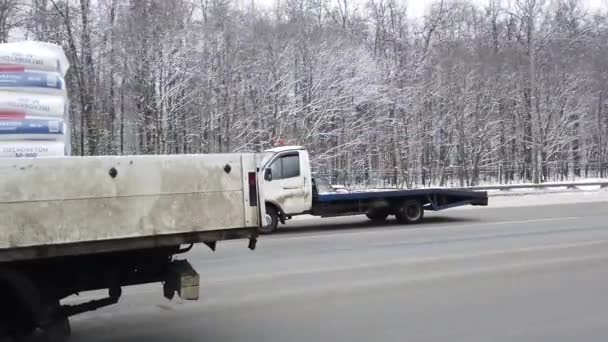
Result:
[[544, 198]]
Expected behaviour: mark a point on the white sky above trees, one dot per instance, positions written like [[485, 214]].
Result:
[[418, 8]]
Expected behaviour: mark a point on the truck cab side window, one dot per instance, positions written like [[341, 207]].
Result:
[[291, 166], [276, 169], [286, 167]]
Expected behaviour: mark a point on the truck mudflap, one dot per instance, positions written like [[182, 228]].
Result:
[[182, 279]]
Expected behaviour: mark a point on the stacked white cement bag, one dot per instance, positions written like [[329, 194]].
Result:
[[33, 100]]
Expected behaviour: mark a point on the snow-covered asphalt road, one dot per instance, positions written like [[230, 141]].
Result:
[[508, 272]]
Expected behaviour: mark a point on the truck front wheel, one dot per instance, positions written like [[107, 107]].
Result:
[[272, 218], [410, 212]]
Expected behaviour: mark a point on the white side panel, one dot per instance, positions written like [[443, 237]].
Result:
[[89, 177], [56, 222], [75, 199]]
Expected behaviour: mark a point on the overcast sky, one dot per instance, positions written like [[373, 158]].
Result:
[[418, 7]]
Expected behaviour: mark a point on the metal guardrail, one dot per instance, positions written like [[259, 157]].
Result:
[[569, 185], [503, 187]]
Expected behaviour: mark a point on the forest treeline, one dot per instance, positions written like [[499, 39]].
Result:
[[470, 92]]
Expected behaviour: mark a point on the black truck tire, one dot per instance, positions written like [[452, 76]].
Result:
[[58, 330], [377, 215], [409, 212], [21, 305], [273, 216]]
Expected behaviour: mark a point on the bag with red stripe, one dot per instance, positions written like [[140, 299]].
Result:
[[19, 106], [36, 56]]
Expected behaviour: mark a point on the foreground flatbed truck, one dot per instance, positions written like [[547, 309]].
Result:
[[290, 190], [74, 224]]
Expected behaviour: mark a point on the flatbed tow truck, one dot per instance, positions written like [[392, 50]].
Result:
[[290, 190]]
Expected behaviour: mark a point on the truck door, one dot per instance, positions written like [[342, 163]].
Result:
[[289, 182]]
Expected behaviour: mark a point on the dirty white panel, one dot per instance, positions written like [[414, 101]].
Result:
[[72, 221], [90, 177], [74, 199]]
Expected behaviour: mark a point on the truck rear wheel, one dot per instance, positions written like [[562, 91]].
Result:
[[410, 211], [272, 217]]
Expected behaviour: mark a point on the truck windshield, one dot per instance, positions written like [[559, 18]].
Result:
[[266, 159]]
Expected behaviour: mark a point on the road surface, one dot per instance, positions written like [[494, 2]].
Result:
[[536, 273]]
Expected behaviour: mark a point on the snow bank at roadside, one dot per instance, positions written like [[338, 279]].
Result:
[[546, 198]]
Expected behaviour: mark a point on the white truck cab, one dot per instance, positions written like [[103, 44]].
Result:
[[287, 184]]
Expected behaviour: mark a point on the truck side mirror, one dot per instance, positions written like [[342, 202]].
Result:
[[268, 175]]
